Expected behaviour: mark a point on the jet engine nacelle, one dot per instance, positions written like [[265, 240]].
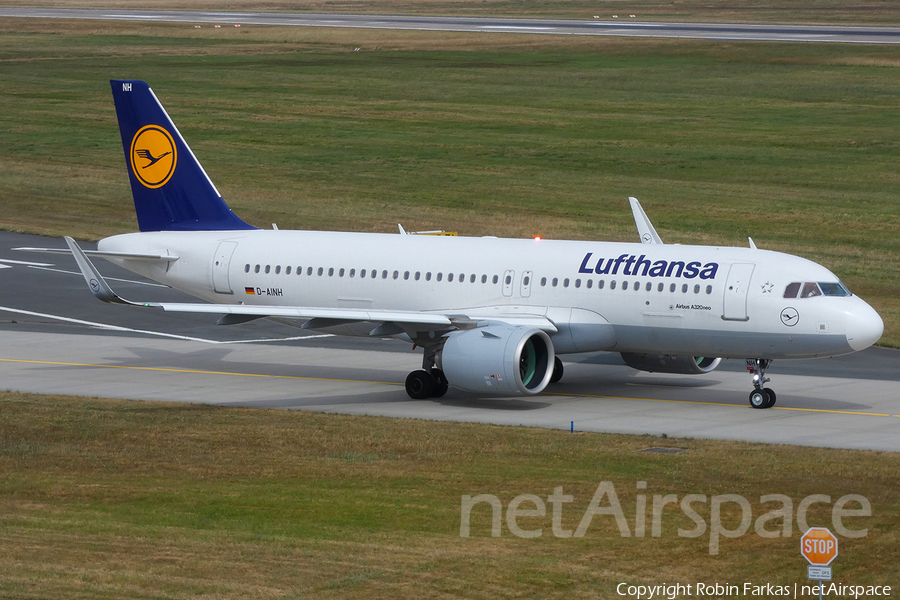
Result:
[[498, 360], [667, 363]]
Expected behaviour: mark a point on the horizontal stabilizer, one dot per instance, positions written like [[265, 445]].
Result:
[[101, 254]]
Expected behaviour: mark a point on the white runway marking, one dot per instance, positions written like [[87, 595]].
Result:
[[156, 333], [22, 262]]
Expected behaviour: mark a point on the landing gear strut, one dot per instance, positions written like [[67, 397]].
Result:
[[760, 397]]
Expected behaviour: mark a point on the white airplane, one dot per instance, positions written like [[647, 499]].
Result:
[[492, 315]]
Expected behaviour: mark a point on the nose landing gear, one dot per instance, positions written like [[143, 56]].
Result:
[[760, 397]]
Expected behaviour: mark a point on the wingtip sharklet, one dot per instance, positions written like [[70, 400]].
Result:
[[642, 221], [93, 278]]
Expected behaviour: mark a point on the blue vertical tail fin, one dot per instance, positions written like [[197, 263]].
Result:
[[171, 190]]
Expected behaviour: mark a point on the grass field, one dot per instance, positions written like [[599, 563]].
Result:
[[110, 499], [794, 145]]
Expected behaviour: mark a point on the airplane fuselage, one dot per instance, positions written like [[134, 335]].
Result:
[[669, 299]]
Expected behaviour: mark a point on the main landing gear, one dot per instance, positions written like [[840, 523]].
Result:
[[760, 397], [557, 370], [430, 383]]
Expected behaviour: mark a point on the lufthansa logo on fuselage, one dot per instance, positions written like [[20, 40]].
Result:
[[153, 156]]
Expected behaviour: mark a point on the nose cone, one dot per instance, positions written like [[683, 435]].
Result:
[[864, 326]]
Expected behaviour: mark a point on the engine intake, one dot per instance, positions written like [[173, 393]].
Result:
[[667, 363], [498, 360]]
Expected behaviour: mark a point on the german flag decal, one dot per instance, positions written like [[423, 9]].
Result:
[[249, 291]]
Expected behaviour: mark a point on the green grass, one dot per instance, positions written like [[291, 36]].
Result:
[[112, 499]]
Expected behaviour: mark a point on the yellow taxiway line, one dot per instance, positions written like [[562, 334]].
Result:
[[263, 375]]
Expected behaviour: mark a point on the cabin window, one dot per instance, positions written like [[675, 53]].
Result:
[[484, 279], [672, 288], [555, 282], [449, 277], [791, 290], [526, 281], [247, 268], [439, 276], [697, 288], [418, 275], [428, 276], [405, 275], [612, 284], [362, 273], [341, 272], [287, 270], [708, 290], [590, 283], [624, 285], [508, 279], [299, 270], [396, 274], [543, 281], [384, 274], [268, 269], [278, 270], [566, 282], [472, 278], [320, 271], [684, 288], [601, 284], [660, 287], [352, 272], [577, 283], [308, 271], [374, 273], [495, 279], [331, 271]]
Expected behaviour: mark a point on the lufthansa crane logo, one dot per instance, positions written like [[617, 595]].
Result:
[[153, 156]]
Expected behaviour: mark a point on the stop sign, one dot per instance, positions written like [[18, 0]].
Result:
[[819, 546]]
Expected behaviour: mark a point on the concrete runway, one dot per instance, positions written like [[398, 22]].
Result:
[[622, 27], [55, 338]]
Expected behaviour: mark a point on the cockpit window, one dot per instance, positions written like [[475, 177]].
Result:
[[809, 290], [791, 290], [834, 289]]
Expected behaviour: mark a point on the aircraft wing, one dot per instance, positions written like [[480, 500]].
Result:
[[314, 316]]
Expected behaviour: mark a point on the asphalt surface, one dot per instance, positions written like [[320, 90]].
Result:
[[55, 338], [623, 26]]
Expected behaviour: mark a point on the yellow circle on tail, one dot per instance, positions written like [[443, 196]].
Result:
[[153, 156]]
